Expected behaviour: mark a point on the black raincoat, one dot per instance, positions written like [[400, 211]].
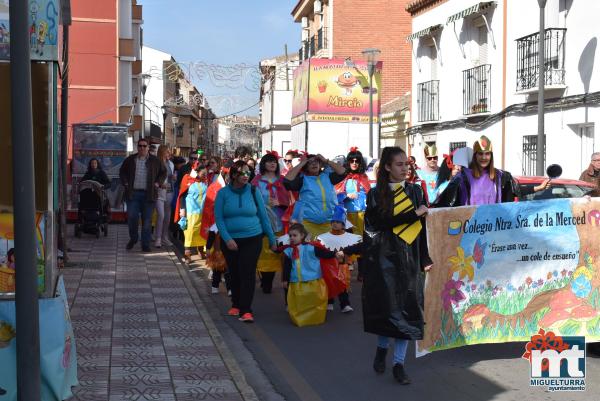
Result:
[[392, 293]]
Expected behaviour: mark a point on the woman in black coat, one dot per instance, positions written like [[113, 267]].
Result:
[[95, 173], [395, 255]]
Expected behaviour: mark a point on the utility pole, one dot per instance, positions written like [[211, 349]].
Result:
[[64, 129], [540, 154], [26, 292]]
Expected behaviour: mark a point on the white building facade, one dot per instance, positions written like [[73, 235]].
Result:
[[475, 72], [276, 95]]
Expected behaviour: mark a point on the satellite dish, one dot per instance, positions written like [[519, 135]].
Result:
[[554, 171]]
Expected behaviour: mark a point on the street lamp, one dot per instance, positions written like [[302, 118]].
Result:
[[541, 140], [145, 81], [372, 55], [175, 121]]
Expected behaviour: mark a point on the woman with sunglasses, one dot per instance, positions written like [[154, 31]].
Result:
[[242, 222], [213, 168], [276, 198], [188, 211], [314, 178], [353, 190], [481, 183]]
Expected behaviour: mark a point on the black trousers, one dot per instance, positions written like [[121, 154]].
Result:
[[266, 281], [344, 299], [242, 270], [216, 278]]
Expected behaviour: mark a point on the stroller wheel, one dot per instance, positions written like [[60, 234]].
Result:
[[105, 229]]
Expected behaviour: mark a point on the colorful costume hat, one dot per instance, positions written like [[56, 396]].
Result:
[[430, 150], [339, 214], [483, 144]]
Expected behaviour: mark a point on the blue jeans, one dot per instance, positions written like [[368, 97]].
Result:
[[138, 204], [399, 347]]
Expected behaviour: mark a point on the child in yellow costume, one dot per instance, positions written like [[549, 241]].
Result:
[[306, 290]]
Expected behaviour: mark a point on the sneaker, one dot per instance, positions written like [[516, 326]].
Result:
[[347, 309], [329, 306], [130, 244], [247, 318], [229, 293], [379, 362], [233, 312], [146, 248], [166, 242], [214, 290], [400, 375], [157, 244]]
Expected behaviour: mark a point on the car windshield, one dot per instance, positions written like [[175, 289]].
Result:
[[556, 191]]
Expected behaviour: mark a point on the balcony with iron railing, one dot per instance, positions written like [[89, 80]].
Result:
[[554, 60], [428, 101], [477, 89]]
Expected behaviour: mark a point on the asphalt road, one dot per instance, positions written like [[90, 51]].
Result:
[[332, 362]]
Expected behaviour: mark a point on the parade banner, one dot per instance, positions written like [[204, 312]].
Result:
[[58, 357], [501, 272], [336, 91], [43, 29]]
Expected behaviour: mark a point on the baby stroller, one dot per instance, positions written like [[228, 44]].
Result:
[[93, 209]]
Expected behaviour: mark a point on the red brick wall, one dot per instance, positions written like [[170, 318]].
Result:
[[384, 24]]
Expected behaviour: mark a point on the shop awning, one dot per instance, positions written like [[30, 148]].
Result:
[[477, 8], [424, 32]]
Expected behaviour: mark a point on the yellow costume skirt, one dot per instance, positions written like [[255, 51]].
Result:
[[268, 260], [192, 232], [315, 229], [358, 220], [307, 302]]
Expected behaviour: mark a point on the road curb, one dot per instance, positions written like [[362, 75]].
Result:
[[237, 375]]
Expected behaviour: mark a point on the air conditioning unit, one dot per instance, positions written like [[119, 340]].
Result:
[[304, 22], [318, 7]]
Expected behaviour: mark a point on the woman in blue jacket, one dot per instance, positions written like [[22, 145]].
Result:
[[242, 222], [315, 177]]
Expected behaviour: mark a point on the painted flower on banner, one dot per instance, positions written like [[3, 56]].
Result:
[[461, 264], [581, 286], [582, 271], [528, 281], [452, 294]]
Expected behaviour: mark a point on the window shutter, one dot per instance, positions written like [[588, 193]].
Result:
[[434, 63], [483, 45]]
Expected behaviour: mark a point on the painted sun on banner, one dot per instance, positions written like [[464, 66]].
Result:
[[504, 271]]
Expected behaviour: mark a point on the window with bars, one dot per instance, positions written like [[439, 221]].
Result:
[[530, 154], [457, 145]]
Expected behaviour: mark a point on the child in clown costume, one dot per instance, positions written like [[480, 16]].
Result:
[[339, 240], [306, 291], [188, 213]]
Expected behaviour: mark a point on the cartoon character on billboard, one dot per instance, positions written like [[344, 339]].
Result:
[[42, 32], [33, 12], [347, 81]]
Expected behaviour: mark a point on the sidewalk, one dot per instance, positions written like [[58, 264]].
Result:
[[142, 332]]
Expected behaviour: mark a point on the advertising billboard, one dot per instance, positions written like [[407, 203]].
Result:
[[108, 144], [43, 29], [337, 91]]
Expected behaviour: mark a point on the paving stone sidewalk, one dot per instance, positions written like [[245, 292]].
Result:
[[140, 328]]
